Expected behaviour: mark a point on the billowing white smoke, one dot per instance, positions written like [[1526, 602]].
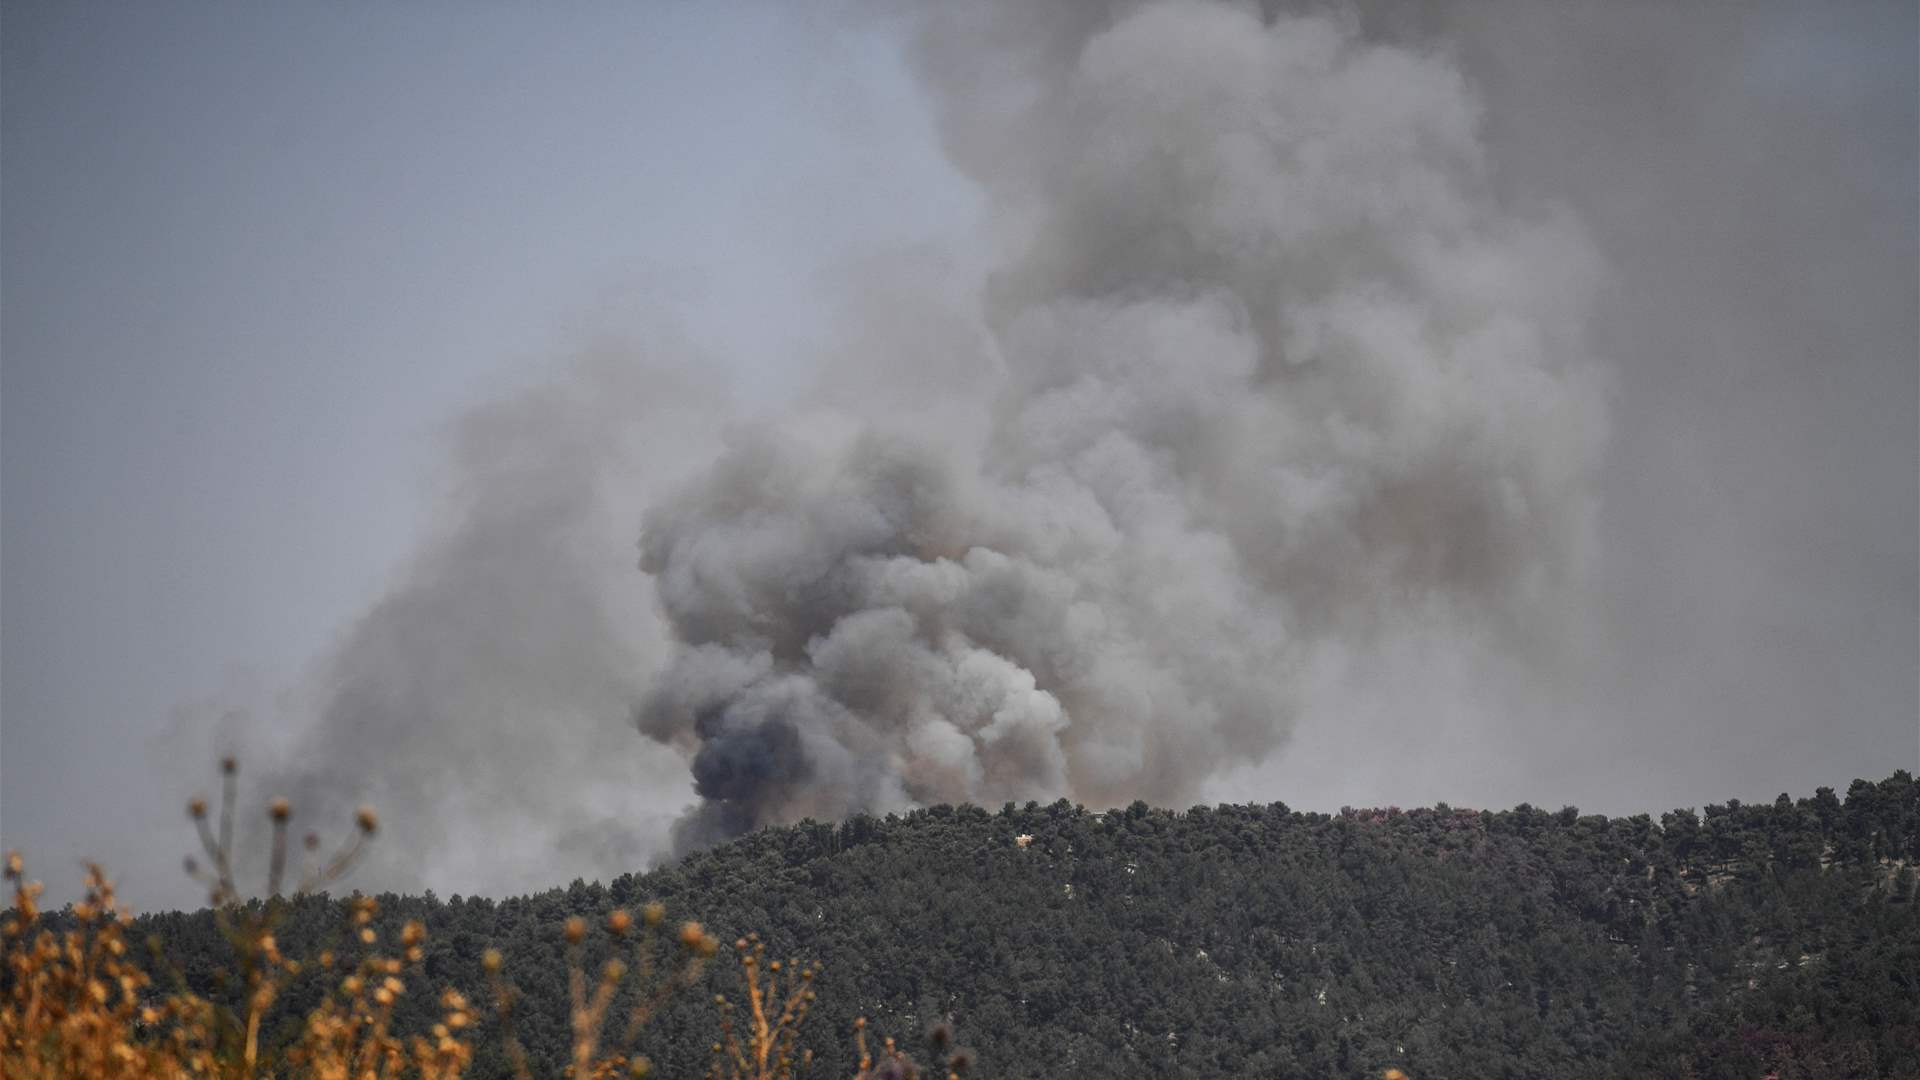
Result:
[[1271, 366]]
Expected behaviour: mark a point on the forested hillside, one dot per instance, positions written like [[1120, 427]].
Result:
[[1751, 940]]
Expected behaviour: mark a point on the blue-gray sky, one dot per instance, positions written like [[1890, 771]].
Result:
[[255, 262]]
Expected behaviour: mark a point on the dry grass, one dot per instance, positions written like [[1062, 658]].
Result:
[[75, 1005], [763, 1044], [890, 1062], [663, 963], [350, 1035]]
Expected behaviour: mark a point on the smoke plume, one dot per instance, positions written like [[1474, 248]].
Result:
[[481, 704], [1182, 400], [1258, 369], [1264, 364]]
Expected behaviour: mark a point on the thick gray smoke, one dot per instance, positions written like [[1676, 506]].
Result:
[[1269, 366], [481, 704], [1273, 412]]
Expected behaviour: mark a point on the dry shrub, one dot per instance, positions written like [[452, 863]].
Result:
[[74, 1006], [663, 963], [893, 1063], [764, 1043]]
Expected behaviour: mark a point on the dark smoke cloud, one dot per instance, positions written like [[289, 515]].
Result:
[[1273, 367]]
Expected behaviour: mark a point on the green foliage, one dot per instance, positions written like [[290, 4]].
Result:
[[1257, 941]]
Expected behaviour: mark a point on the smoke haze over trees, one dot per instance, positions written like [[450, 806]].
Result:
[[1777, 938], [1267, 382], [1265, 369], [1258, 373], [1486, 402]]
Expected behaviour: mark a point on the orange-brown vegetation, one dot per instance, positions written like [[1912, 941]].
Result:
[[75, 1004]]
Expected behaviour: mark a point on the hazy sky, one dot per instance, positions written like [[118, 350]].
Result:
[[256, 261]]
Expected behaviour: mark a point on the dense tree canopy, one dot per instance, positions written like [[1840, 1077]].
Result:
[[1258, 941]]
